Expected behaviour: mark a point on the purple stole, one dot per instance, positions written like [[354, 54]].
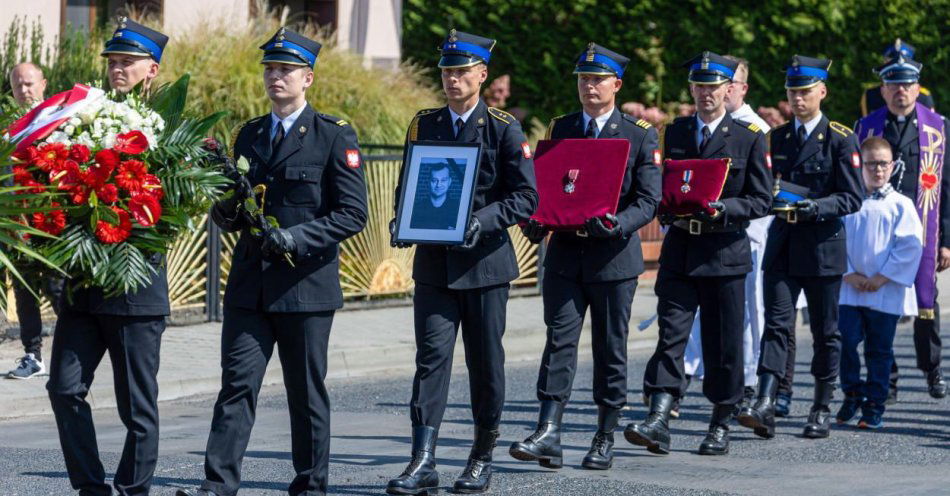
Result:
[[932, 136]]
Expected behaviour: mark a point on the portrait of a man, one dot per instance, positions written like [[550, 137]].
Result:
[[437, 196]]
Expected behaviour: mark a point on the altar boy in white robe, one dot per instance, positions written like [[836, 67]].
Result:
[[884, 249]]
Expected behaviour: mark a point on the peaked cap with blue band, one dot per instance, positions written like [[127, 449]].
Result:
[[289, 47], [900, 70], [711, 68], [464, 50], [899, 48], [132, 38], [805, 72], [599, 60]]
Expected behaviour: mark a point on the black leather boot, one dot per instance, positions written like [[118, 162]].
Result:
[[760, 417], [936, 385], [420, 477], [197, 491], [654, 432], [601, 454], [476, 478], [717, 439], [819, 419], [544, 445]]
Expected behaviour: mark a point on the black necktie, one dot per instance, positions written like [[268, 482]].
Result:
[[591, 129], [278, 137], [706, 136], [801, 135], [458, 126]]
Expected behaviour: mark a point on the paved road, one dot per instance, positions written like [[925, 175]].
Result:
[[370, 445]]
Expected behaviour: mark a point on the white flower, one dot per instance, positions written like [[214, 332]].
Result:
[[70, 129], [74, 121], [57, 137]]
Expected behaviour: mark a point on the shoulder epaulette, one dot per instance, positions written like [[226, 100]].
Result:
[[334, 119], [501, 115], [427, 111], [840, 128], [547, 134], [924, 91], [754, 128], [644, 124]]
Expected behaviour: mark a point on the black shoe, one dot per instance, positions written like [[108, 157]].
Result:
[[937, 387], [654, 432], [849, 407], [783, 405], [717, 439], [675, 410], [760, 417], [476, 478], [195, 491], [420, 476], [544, 445], [819, 419], [601, 453], [748, 397]]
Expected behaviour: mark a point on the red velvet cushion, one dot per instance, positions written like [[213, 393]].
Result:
[[689, 185], [598, 166]]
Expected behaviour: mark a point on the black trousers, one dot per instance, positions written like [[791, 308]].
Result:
[[133, 344], [821, 293], [247, 343], [438, 313], [721, 301], [28, 311], [927, 345], [787, 380], [565, 304]]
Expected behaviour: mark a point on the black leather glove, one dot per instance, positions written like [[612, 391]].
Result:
[[806, 209], [392, 236], [472, 233], [278, 242], [666, 219], [597, 228], [534, 231], [705, 216]]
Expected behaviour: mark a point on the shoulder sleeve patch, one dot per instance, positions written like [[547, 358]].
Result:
[[840, 128], [644, 124], [501, 115]]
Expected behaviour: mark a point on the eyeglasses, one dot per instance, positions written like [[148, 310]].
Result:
[[877, 164]]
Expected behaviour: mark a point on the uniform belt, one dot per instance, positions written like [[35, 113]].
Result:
[[697, 227]]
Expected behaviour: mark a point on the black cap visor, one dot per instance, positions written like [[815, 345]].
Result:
[[453, 60], [594, 69], [801, 82], [285, 56], [125, 47], [708, 77]]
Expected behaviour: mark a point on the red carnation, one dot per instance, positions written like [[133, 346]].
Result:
[[107, 193], [108, 159], [50, 155], [145, 208], [94, 177], [153, 185], [115, 233], [131, 175], [27, 155], [32, 187], [52, 222], [132, 143], [79, 153], [21, 174], [80, 195]]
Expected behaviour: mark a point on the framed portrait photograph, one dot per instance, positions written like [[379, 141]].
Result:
[[438, 185]]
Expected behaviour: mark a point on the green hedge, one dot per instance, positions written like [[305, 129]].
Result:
[[538, 41]]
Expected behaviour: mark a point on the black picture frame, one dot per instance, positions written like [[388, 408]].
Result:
[[437, 192]]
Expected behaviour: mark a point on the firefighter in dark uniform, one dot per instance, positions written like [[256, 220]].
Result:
[[806, 247], [596, 267], [284, 288], [129, 327], [468, 284], [900, 77], [704, 261], [872, 99]]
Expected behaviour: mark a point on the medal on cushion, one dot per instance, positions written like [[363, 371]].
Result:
[[571, 177], [687, 176]]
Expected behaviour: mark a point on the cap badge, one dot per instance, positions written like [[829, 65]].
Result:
[[590, 52], [453, 36], [897, 45], [704, 64], [280, 34], [121, 20]]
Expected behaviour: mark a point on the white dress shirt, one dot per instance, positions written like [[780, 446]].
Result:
[[809, 126], [745, 113], [464, 117], [712, 127], [599, 121], [884, 237], [287, 122]]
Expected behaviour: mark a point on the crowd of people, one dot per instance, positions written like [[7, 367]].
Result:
[[861, 234]]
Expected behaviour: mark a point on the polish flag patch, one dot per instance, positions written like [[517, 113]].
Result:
[[526, 150], [768, 160], [855, 160], [656, 157], [353, 159]]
